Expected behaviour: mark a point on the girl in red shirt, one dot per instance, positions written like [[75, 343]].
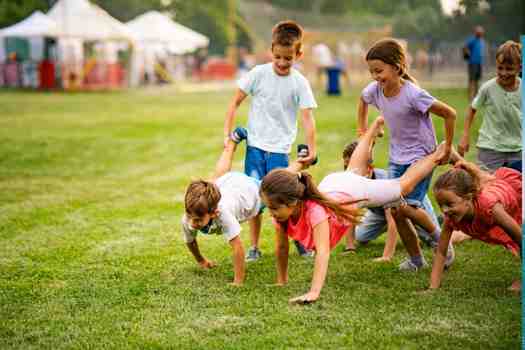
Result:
[[484, 206], [318, 217]]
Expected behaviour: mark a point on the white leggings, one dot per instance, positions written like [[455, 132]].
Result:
[[374, 193]]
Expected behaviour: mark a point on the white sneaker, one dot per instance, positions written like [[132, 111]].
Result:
[[409, 266]]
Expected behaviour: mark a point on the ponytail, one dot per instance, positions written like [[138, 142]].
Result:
[[283, 187]]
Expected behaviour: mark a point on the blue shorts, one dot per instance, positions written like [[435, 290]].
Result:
[[258, 163], [414, 198]]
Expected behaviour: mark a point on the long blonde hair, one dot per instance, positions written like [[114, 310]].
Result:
[[391, 52], [283, 187]]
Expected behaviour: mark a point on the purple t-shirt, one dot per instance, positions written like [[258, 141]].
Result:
[[412, 134]]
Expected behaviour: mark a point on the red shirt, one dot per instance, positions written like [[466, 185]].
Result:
[[506, 190], [313, 214]]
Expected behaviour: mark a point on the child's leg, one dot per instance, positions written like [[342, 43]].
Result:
[[224, 164], [419, 171], [350, 240], [408, 236], [361, 155]]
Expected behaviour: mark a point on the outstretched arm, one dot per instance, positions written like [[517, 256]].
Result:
[[193, 247], [464, 143], [440, 257], [449, 114], [322, 246], [230, 114], [281, 252], [507, 223], [362, 117], [238, 261]]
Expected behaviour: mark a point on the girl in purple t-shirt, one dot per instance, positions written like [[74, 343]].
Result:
[[406, 108]]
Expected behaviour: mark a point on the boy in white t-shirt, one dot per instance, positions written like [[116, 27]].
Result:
[[219, 206], [278, 92]]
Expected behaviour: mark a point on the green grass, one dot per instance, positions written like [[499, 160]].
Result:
[[91, 255]]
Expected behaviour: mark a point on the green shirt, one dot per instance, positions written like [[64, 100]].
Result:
[[501, 127]]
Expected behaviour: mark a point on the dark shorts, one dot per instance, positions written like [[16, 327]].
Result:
[[493, 160], [474, 72]]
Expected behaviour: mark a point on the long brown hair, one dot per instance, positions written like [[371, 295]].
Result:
[[283, 187], [391, 52], [459, 181]]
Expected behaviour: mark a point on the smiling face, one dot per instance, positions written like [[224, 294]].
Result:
[[385, 74], [507, 73], [454, 207], [283, 58], [280, 212]]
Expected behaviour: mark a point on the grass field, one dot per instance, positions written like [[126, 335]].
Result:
[[91, 255]]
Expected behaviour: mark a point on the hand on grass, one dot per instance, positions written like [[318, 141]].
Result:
[[235, 284], [207, 264], [305, 299]]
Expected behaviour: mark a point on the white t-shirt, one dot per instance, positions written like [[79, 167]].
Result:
[[276, 100], [239, 202]]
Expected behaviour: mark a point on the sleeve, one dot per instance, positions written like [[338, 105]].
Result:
[[492, 195], [247, 82], [422, 100], [481, 98], [316, 214], [188, 234], [369, 94], [231, 228], [305, 94]]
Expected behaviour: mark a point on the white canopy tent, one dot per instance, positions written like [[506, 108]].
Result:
[[36, 25], [155, 35]]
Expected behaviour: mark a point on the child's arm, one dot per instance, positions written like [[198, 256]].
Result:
[[449, 114], [230, 114], [281, 252], [440, 257], [362, 117], [322, 247], [482, 176], [464, 143], [391, 237], [238, 261], [507, 223], [309, 130], [202, 261]]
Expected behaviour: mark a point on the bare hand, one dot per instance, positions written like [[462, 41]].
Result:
[[207, 264], [463, 146], [235, 284], [305, 299], [444, 155]]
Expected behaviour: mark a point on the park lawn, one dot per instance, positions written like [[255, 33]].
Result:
[[91, 255]]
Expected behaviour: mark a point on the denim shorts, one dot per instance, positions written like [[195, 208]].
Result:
[[374, 224], [258, 163], [414, 198]]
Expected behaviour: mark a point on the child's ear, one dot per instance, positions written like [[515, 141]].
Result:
[[215, 213], [299, 55]]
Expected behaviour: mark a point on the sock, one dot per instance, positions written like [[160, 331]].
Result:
[[417, 260]]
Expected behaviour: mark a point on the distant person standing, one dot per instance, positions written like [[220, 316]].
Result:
[[473, 52], [323, 59]]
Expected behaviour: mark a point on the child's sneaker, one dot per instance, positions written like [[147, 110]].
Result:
[[409, 266], [239, 134], [308, 254], [303, 151], [253, 254]]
